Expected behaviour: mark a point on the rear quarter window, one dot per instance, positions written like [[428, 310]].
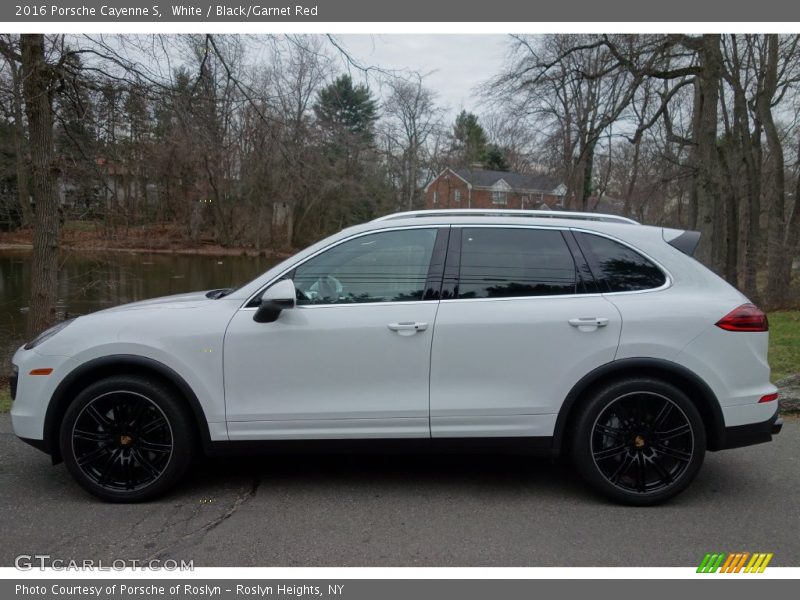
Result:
[[618, 267]]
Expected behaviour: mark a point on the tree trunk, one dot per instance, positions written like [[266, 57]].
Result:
[[693, 160], [588, 175], [778, 263], [752, 251], [584, 172], [631, 188], [708, 220], [36, 79], [731, 160], [792, 237], [21, 150]]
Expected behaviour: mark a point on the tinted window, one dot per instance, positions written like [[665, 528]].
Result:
[[503, 263], [622, 269], [379, 267]]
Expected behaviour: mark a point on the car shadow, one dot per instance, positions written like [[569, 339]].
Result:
[[443, 472]]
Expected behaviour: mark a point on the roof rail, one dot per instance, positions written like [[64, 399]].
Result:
[[478, 212]]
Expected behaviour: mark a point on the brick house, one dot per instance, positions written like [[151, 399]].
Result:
[[482, 188]]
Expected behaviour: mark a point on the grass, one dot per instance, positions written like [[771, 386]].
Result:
[[5, 399], [784, 350], [784, 343]]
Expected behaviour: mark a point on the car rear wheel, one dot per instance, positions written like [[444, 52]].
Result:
[[126, 439], [639, 441]]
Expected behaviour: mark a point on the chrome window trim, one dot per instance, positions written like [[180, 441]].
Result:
[[272, 281], [511, 298], [349, 304]]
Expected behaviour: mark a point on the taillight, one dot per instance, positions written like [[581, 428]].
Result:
[[768, 398], [747, 317]]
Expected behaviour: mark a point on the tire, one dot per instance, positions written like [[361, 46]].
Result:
[[127, 439], [639, 441]]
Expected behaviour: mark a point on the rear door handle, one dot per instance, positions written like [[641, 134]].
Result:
[[407, 327], [588, 323]]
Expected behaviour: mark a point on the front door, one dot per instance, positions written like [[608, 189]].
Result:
[[352, 359]]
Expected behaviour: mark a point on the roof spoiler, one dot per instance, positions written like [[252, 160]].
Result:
[[684, 240]]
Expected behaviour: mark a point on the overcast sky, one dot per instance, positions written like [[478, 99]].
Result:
[[454, 64]]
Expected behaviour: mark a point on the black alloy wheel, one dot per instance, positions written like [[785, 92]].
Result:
[[642, 442], [127, 438], [122, 441], [639, 441]]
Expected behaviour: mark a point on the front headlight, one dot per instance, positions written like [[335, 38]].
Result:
[[47, 334]]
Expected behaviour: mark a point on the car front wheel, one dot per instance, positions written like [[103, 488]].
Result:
[[639, 441], [126, 439]]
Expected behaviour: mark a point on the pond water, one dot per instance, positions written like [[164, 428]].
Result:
[[88, 282]]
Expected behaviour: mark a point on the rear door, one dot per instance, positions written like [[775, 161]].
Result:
[[518, 325]]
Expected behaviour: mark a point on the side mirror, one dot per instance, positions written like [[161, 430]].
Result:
[[280, 296]]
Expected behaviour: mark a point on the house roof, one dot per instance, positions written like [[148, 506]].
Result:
[[520, 181]]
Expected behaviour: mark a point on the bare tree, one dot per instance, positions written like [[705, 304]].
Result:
[[574, 88], [412, 119], [778, 58], [743, 134], [9, 49]]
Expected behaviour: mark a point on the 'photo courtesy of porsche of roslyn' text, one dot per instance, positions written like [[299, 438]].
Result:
[[346, 300]]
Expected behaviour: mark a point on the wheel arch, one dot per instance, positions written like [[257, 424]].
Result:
[[107, 366], [689, 382]]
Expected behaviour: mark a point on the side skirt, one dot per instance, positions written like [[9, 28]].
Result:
[[534, 446]]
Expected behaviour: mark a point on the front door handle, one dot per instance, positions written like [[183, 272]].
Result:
[[407, 327], [588, 323]]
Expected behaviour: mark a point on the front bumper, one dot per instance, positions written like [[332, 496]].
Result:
[[32, 393], [752, 433]]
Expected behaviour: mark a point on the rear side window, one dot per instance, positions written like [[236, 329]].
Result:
[[507, 263], [619, 268]]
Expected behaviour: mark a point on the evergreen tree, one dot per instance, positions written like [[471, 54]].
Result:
[[493, 158], [344, 107], [469, 139]]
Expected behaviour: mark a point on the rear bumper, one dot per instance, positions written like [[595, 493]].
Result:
[[752, 433], [38, 444]]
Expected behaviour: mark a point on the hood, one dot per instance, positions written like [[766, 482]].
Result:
[[189, 300]]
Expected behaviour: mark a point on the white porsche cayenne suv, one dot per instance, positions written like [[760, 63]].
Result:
[[564, 333]]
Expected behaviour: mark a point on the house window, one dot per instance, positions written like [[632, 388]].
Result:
[[435, 199], [457, 195], [499, 197]]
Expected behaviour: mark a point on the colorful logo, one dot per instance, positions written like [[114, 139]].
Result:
[[735, 563]]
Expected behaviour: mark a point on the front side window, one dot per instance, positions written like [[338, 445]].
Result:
[[621, 268], [506, 263], [389, 266]]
